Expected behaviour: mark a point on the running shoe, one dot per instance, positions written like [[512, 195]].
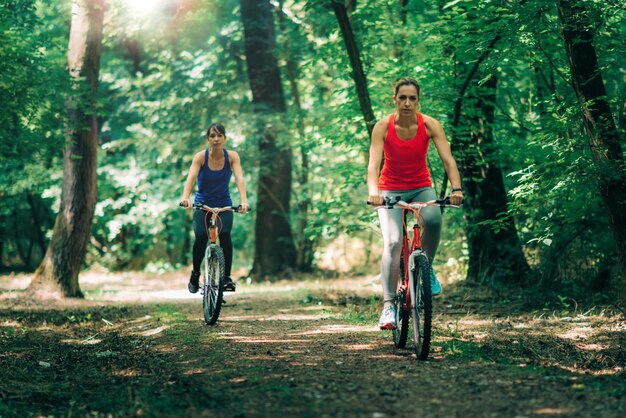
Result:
[[435, 286], [229, 285], [388, 318], [193, 281]]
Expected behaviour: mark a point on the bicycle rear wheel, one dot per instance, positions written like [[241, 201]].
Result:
[[402, 319], [213, 284], [401, 332], [422, 308]]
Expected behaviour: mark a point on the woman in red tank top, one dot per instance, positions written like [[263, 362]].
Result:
[[404, 137]]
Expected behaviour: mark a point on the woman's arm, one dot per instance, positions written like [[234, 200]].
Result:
[[196, 164], [235, 165], [377, 144], [436, 133]]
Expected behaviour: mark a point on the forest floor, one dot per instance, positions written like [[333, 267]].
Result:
[[137, 346]]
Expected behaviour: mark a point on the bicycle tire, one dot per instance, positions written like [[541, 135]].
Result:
[[401, 332], [422, 307], [213, 284]]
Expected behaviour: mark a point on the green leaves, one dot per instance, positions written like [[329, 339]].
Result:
[[164, 80]]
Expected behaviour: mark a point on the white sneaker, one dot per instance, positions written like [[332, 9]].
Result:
[[388, 318]]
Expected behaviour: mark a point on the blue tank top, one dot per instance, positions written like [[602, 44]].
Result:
[[213, 184]]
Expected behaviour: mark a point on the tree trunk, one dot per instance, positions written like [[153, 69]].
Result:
[[274, 247], [57, 274], [495, 253], [604, 138], [304, 244], [3, 235], [403, 11], [350, 5], [38, 229], [458, 104], [358, 75], [21, 252], [133, 52]]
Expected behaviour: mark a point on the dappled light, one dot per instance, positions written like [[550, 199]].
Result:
[[553, 411], [194, 371], [248, 340], [141, 7], [312, 208], [322, 345], [337, 329], [153, 331], [127, 373], [358, 347], [282, 317], [90, 341]]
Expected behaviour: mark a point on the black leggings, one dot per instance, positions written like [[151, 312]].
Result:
[[225, 224]]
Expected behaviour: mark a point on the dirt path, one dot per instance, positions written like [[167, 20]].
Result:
[[305, 349]]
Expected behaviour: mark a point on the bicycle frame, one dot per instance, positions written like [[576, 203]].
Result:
[[414, 243], [212, 218], [414, 294], [210, 224], [213, 278]]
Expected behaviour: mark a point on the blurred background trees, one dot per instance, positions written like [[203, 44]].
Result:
[[498, 75]]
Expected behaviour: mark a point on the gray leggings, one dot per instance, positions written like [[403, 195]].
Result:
[[391, 228]]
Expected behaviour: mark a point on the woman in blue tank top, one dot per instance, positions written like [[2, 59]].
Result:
[[213, 168]]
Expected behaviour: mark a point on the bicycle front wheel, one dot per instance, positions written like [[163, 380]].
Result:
[[422, 306], [213, 284]]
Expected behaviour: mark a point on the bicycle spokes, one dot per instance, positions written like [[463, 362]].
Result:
[[214, 272], [422, 307], [213, 286]]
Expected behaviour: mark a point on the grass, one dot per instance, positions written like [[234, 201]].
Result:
[[361, 314], [58, 360]]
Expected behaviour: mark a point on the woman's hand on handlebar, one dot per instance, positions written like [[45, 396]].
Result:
[[375, 200], [185, 203], [456, 198], [244, 207]]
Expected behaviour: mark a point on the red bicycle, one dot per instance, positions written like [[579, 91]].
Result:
[[212, 289], [414, 295]]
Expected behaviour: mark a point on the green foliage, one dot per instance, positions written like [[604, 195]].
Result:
[[166, 76], [154, 118], [32, 86], [555, 194]]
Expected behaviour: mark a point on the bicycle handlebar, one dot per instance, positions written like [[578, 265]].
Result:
[[200, 206], [390, 202]]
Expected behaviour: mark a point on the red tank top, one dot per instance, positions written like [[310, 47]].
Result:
[[405, 160]]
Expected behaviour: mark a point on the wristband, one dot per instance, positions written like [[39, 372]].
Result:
[[457, 189]]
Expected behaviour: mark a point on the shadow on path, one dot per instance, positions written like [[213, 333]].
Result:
[[302, 352]]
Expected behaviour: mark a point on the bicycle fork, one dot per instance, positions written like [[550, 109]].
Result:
[[413, 291], [210, 250]]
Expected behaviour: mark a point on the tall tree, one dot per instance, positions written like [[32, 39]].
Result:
[[304, 244], [495, 252], [494, 247], [58, 273], [358, 75], [604, 138], [274, 249]]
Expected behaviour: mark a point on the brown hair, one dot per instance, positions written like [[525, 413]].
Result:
[[406, 81], [218, 127]]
